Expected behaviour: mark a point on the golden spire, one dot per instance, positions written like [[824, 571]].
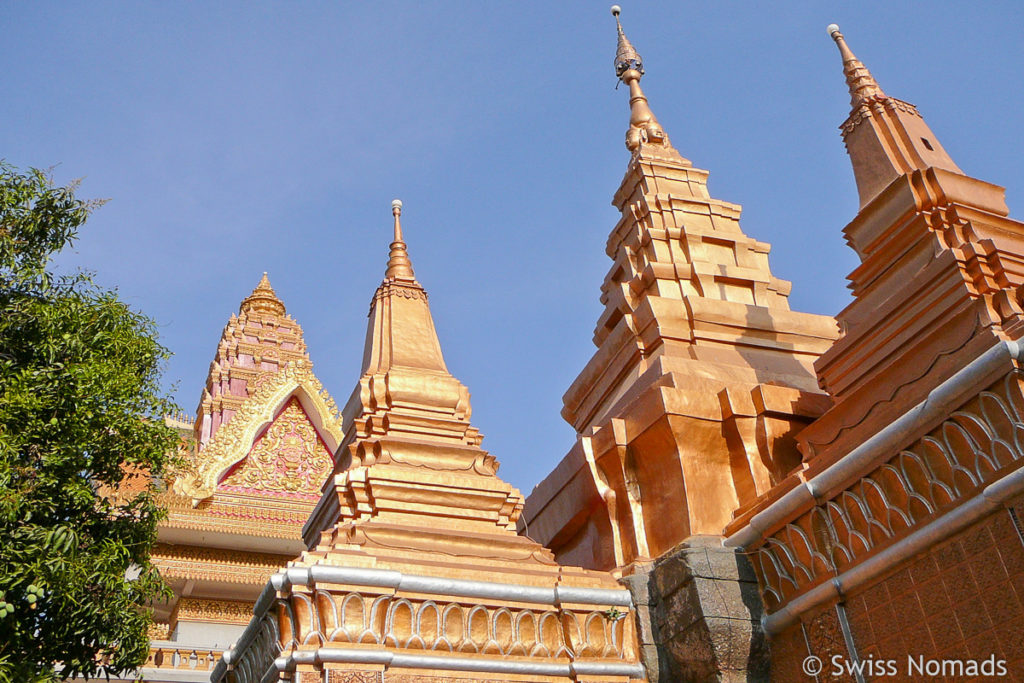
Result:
[[862, 84], [263, 299], [399, 265], [626, 56], [885, 137], [401, 329], [629, 67]]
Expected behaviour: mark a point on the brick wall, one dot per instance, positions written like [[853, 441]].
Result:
[[964, 599]]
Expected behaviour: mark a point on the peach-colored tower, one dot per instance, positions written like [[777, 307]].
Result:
[[416, 573], [702, 373], [899, 536]]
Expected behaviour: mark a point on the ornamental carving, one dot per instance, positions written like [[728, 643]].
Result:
[[216, 611], [455, 627], [290, 456], [333, 619], [975, 445], [873, 107], [158, 631], [397, 289], [232, 442], [215, 564], [356, 677]]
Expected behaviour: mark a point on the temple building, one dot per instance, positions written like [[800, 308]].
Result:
[[414, 565], [753, 493], [256, 457], [899, 535], [780, 493]]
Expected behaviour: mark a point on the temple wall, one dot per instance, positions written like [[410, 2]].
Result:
[[961, 600], [214, 635]]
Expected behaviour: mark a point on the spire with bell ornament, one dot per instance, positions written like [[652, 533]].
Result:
[[629, 68], [696, 329]]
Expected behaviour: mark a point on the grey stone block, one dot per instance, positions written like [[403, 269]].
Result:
[[639, 587], [644, 624], [700, 605]]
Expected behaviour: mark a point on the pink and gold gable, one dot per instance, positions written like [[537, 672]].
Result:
[[289, 459], [266, 427]]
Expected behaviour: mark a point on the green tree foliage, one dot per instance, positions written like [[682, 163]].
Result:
[[81, 447]]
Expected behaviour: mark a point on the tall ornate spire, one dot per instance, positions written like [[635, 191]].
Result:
[[700, 373], [886, 138], [629, 67], [863, 86], [417, 502], [938, 281], [262, 339]]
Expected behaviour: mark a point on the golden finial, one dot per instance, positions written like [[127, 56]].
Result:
[[862, 84], [629, 67], [626, 56], [263, 299], [399, 265]]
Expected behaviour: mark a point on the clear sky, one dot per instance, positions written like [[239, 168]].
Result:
[[239, 137]]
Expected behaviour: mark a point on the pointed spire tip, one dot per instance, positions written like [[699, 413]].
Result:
[[263, 299], [861, 83], [629, 68], [399, 264]]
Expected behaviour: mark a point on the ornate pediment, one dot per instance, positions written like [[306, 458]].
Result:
[[235, 440], [289, 458]]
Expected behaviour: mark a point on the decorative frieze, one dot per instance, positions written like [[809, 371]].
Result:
[[333, 620], [215, 611], [217, 564], [976, 444]]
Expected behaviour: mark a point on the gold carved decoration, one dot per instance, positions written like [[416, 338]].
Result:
[[216, 564], [158, 631], [355, 677], [216, 611], [233, 440], [289, 457]]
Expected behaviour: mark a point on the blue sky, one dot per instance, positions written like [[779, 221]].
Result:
[[234, 138]]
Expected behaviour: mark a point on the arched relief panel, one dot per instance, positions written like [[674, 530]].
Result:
[[322, 618], [289, 457], [233, 441]]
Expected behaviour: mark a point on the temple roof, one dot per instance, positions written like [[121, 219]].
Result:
[[262, 404]]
